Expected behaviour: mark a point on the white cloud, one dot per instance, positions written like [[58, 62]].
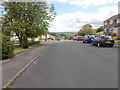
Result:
[[75, 21], [86, 3]]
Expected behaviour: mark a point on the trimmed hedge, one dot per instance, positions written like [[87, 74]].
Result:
[[7, 47]]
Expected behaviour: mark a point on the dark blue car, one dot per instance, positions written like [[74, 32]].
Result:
[[88, 39], [58, 39]]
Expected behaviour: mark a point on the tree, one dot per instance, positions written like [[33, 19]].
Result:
[[27, 19], [70, 37], [57, 35], [86, 30], [81, 32], [101, 28]]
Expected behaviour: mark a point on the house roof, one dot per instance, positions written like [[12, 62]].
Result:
[[113, 17]]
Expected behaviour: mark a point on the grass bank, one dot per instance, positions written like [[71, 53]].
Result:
[[18, 48]]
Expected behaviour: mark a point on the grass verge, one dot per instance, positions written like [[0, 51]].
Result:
[[18, 51], [18, 48], [118, 42], [9, 86]]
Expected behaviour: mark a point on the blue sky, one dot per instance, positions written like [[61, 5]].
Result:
[[62, 8], [73, 14]]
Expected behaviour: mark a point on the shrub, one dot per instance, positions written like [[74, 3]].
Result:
[[7, 47], [113, 34], [51, 38]]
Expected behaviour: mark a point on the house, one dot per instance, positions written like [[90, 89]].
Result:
[[15, 39], [112, 25], [47, 36]]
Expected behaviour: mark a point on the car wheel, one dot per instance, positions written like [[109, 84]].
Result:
[[98, 44], [111, 45]]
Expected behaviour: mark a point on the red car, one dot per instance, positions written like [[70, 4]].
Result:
[[79, 38]]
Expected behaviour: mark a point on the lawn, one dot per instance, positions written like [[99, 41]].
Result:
[[18, 48], [99, 33], [118, 42], [18, 51]]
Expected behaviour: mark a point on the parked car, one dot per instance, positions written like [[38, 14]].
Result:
[[88, 39], [58, 39], [79, 38], [74, 38], [103, 40]]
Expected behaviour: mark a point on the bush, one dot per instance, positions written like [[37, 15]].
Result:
[[113, 34], [7, 47], [51, 38]]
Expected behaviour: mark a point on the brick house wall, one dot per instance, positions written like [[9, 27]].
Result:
[[111, 25]]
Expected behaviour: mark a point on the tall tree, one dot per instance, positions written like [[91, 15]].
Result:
[[86, 30], [101, 28], [27, 19]]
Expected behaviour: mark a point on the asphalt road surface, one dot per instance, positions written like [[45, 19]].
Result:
[[72, 64]]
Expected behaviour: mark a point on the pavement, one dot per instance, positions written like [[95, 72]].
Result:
[[73, 64], [12, 68]]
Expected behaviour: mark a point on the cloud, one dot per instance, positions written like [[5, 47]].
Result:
[[119, 7], [86, 3], [75, 21]]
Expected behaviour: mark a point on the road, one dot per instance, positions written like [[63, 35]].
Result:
[[72, 64]]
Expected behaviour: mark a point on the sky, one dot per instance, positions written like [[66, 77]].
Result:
[[72, 15]]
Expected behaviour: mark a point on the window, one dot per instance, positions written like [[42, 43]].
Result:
[[111, 21], [105, 23], [118, 20], [106, 37], [108, 22], [105, 30], [111, 30]]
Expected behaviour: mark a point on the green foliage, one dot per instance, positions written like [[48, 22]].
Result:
[[101, 28], [51, 38], [27, 18], [53, 34], [57, 36], [81, 33], [86, 30], [116, 37], [7, 47], [118, 42], [100, 33], [69, 37]]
